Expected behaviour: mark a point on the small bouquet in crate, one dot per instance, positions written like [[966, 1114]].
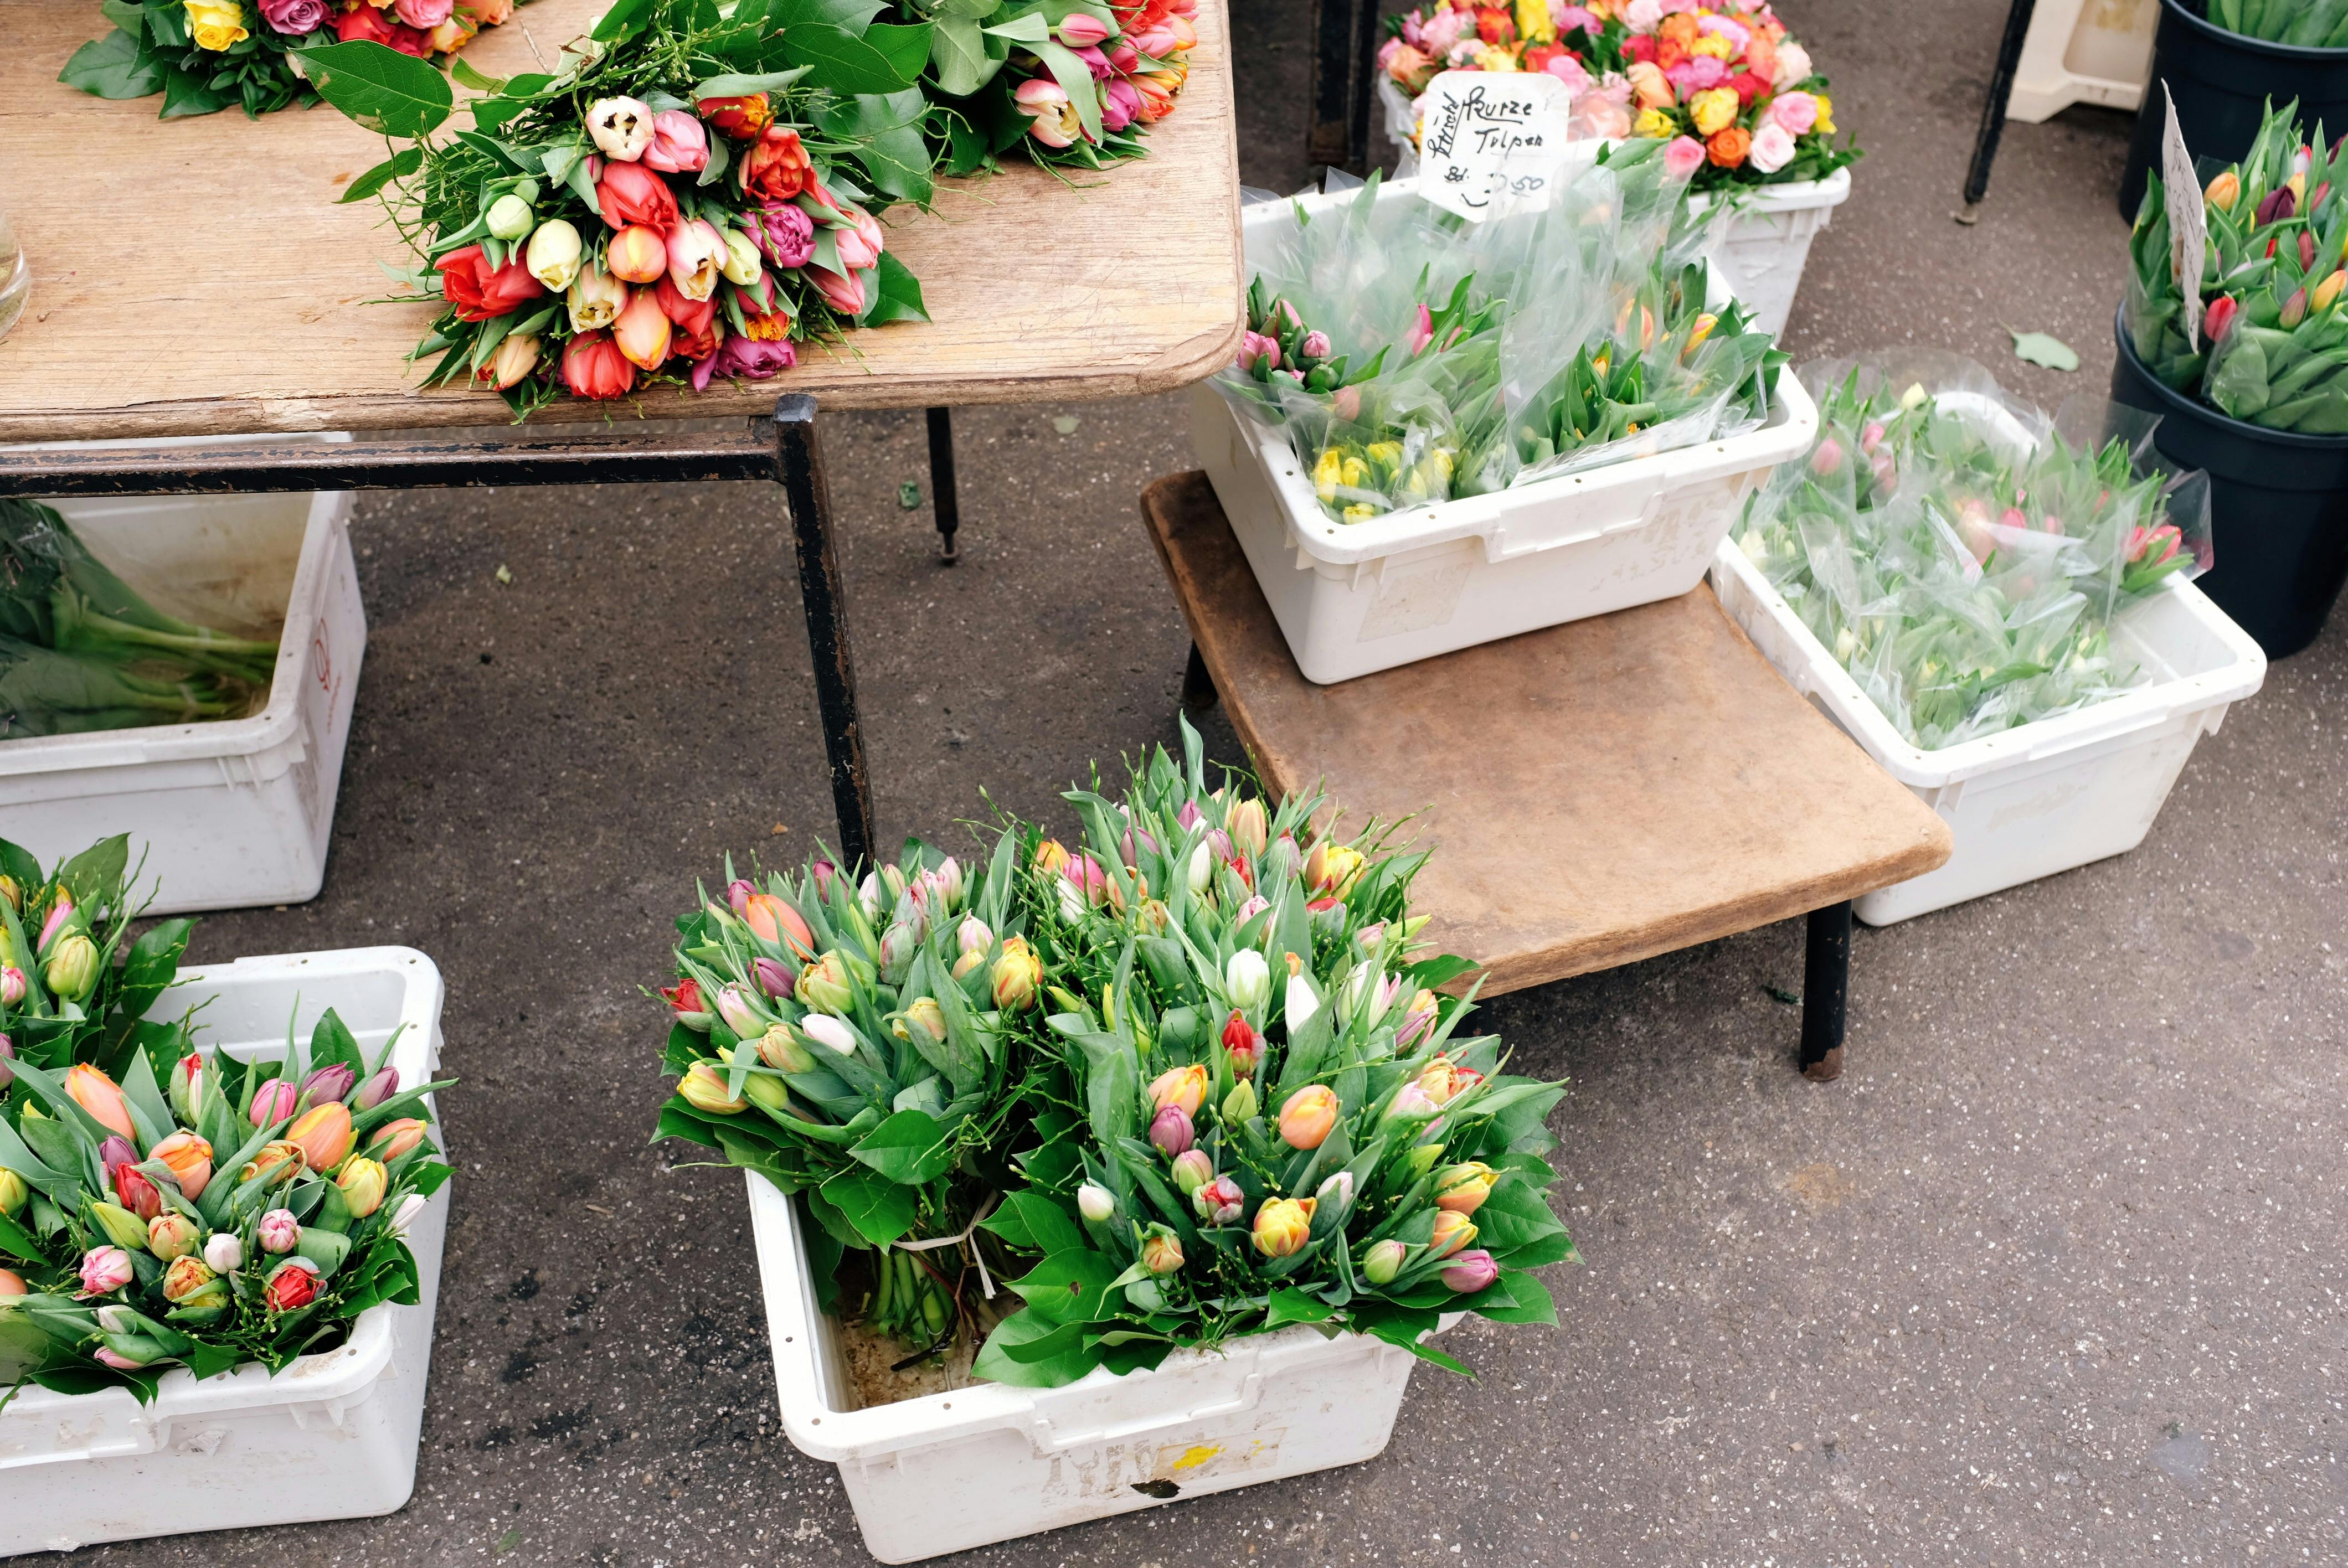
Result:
[[1270, 1117], [854, 1045], [203, 56], [75, 986], [688, 195], [1077, 83], [195, 1210], [2271, 346], [1413, 357], [1961, 558]]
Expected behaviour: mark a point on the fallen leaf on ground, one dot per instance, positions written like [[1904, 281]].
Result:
[[2045, 348]]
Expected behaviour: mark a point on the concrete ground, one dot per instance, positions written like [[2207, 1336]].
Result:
[[2052, 1275]]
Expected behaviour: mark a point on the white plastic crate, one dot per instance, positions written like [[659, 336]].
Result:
[[949, 1472], [334, 1435], [2028, 802], [235, 812], [2083, 51], [1761, 252]]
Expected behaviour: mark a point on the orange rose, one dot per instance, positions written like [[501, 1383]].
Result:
[[1680, 28], [1761, 57], [1729, 146]]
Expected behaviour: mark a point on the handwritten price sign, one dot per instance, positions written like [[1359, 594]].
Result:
[[1492, 143]]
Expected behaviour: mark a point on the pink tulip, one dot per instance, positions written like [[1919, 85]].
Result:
[[845, 296], [680, 145], [1422, 332], [104, 1270], [1471, 1271]]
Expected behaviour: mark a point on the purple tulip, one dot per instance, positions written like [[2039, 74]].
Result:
[[1169, 1130], [784, 234], [380, 1087], [824, 871], [115, 1151], [1190, 816], [1471, 1271], [747, 359], [329, 1085], [775, 979], [1120, 104]]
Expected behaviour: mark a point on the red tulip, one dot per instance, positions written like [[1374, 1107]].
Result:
[[482, 293], [135, 1192], [294, 1286], [2220, 317], [630, 193], [692, 316], [593, 366], [776, 167]]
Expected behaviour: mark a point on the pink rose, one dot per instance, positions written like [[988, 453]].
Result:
[[423, 14], [1797, 113], [294, 18], [1644, 15], [1568, 70], [1567, 18], [1736, 33], [1694, 74], [1683, 156], [1773, 148], [1442, 30]]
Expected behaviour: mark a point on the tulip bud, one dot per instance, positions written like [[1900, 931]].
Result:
[[898, 945], [697, 257], [1452, 1232], [293, 1286], [11, 892], [393, 1139], [95, 1092], [1409, 1100], [832, 1034], [410, 1208], [1220, 1201], [1161, 1251], [552, 255], [105, 1270], [2224, 191], [113, 1153], [1082, 29], [509, 217], [1417, 1018], [279, 1160], [1246, 823], [1384, 1261], [363, 1184], [760, 1090], [323, 1134], [1242, 1044], [188, 1159], [12, 1285], [1462, 1189], [1240, 1105], [224, 1252], [186, 1279], [1050, 857], [2220, 317], [781, 1051], [1192, 1170], [380, 1086], [514, 359], [1246, 979], [1282, 1226], [2294, 309], [71, 971], [1335, 1192], [328, 1084], [704, 1088], [967, 962], [1170, 1130], [824, 984], [637, 254], [1333, 868], [13, 986], [1284, 857], [279, 1231], [8, 1055], [137, 1193], [621, 127], [1471, 1272], [1094, 1202], [950, 880], [735, 1007], [1308, 1116], [273, 1102], [1182, 1086], [924, 1014], [14, 1194], [1198, 873], [742, 265], [1250, 909], [2327, 293], [595, 298], [973, 936], [1017, 973]]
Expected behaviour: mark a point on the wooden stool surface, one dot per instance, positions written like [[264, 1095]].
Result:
[[1599, 792]]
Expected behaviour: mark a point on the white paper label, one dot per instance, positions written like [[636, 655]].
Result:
[[1492, 143], [2188, 225]]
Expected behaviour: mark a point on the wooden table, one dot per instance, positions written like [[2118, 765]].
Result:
[[1599, 792], [197, 277]]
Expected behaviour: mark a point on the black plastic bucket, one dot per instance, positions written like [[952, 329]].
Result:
[[2278, 508], [2221, 81]]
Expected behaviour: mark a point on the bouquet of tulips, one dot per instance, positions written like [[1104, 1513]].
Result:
[[854, 1045], [203, 56], [2304, 24], [74, 985], [1270, 1117], [685, 198], [1737, 99], [1413, 357], [202, 1211], [2272, 345], [1072, 83], [1961, 559]]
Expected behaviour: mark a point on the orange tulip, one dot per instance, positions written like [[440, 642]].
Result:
[[1282, 1226], [1453, 1231], [323, 1134], [642, 332], [95, 1092], [637, 254], [189, 1159], [1307, 1117], [778, 922], [1185, 1087]]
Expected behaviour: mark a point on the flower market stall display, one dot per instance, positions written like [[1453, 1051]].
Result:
[[687, 197], [1161, 1328], [219, 1249], [1982, 601], [80, 650], [2249, 374], [204, 56], [2225, 62], [1077, 84], [1728, 79], [1518, 389]]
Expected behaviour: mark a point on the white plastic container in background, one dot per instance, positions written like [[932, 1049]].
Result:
[[1356, 598], [237, 811], [1761, 252], [332, 1436], [2040, 798], [2084, 52], [949, 1472]]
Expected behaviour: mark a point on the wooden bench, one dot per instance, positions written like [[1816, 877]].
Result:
[[1600, 793]]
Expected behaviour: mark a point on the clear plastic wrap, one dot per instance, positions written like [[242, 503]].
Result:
[[1962, 554]]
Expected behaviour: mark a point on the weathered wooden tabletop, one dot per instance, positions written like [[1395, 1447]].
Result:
[[1598, 793], [196, 277]]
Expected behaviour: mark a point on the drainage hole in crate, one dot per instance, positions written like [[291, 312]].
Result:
[[1161, 1490]]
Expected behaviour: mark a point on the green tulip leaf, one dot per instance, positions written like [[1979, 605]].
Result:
[[2044, 348]]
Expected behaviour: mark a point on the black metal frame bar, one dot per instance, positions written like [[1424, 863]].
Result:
[[2001, 92], [1345, 47], [945, 501], [782, 449]]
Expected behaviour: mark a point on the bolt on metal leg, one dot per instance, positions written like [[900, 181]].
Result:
[[1826, 985], [943, 497], [798, 461]]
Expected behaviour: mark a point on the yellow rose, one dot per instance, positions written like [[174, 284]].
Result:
[[1493, 57], [1826, 113], [1654, 125], [1533, 22], [1711, 44], [216, 25], [1715, 109]]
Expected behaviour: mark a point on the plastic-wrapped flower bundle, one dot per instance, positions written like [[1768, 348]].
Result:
[[1414, 357], [1962, 557], [2272, 345]]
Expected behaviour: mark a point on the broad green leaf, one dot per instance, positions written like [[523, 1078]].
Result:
[[880, 1210], [849, 66], [1068, 1287], [850, 15], [2043, 348], [462, 69], [899, 296], [114, 66], [1531, 1301], [96, 871], [997, 1363], [739, 85], [1031, 1222], [1075, 79], [909, 1148], [398, 166], [386, 92], [1290, 1304]]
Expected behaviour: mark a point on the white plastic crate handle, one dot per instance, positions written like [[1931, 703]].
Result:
[[1049, 1439], [1505, 544], [2055, 745]]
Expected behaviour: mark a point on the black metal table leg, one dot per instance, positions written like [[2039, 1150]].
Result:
[[2000, 90], [1198, 685], [1826, 983], [799, 462], [1345, 51], [944, 499]]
